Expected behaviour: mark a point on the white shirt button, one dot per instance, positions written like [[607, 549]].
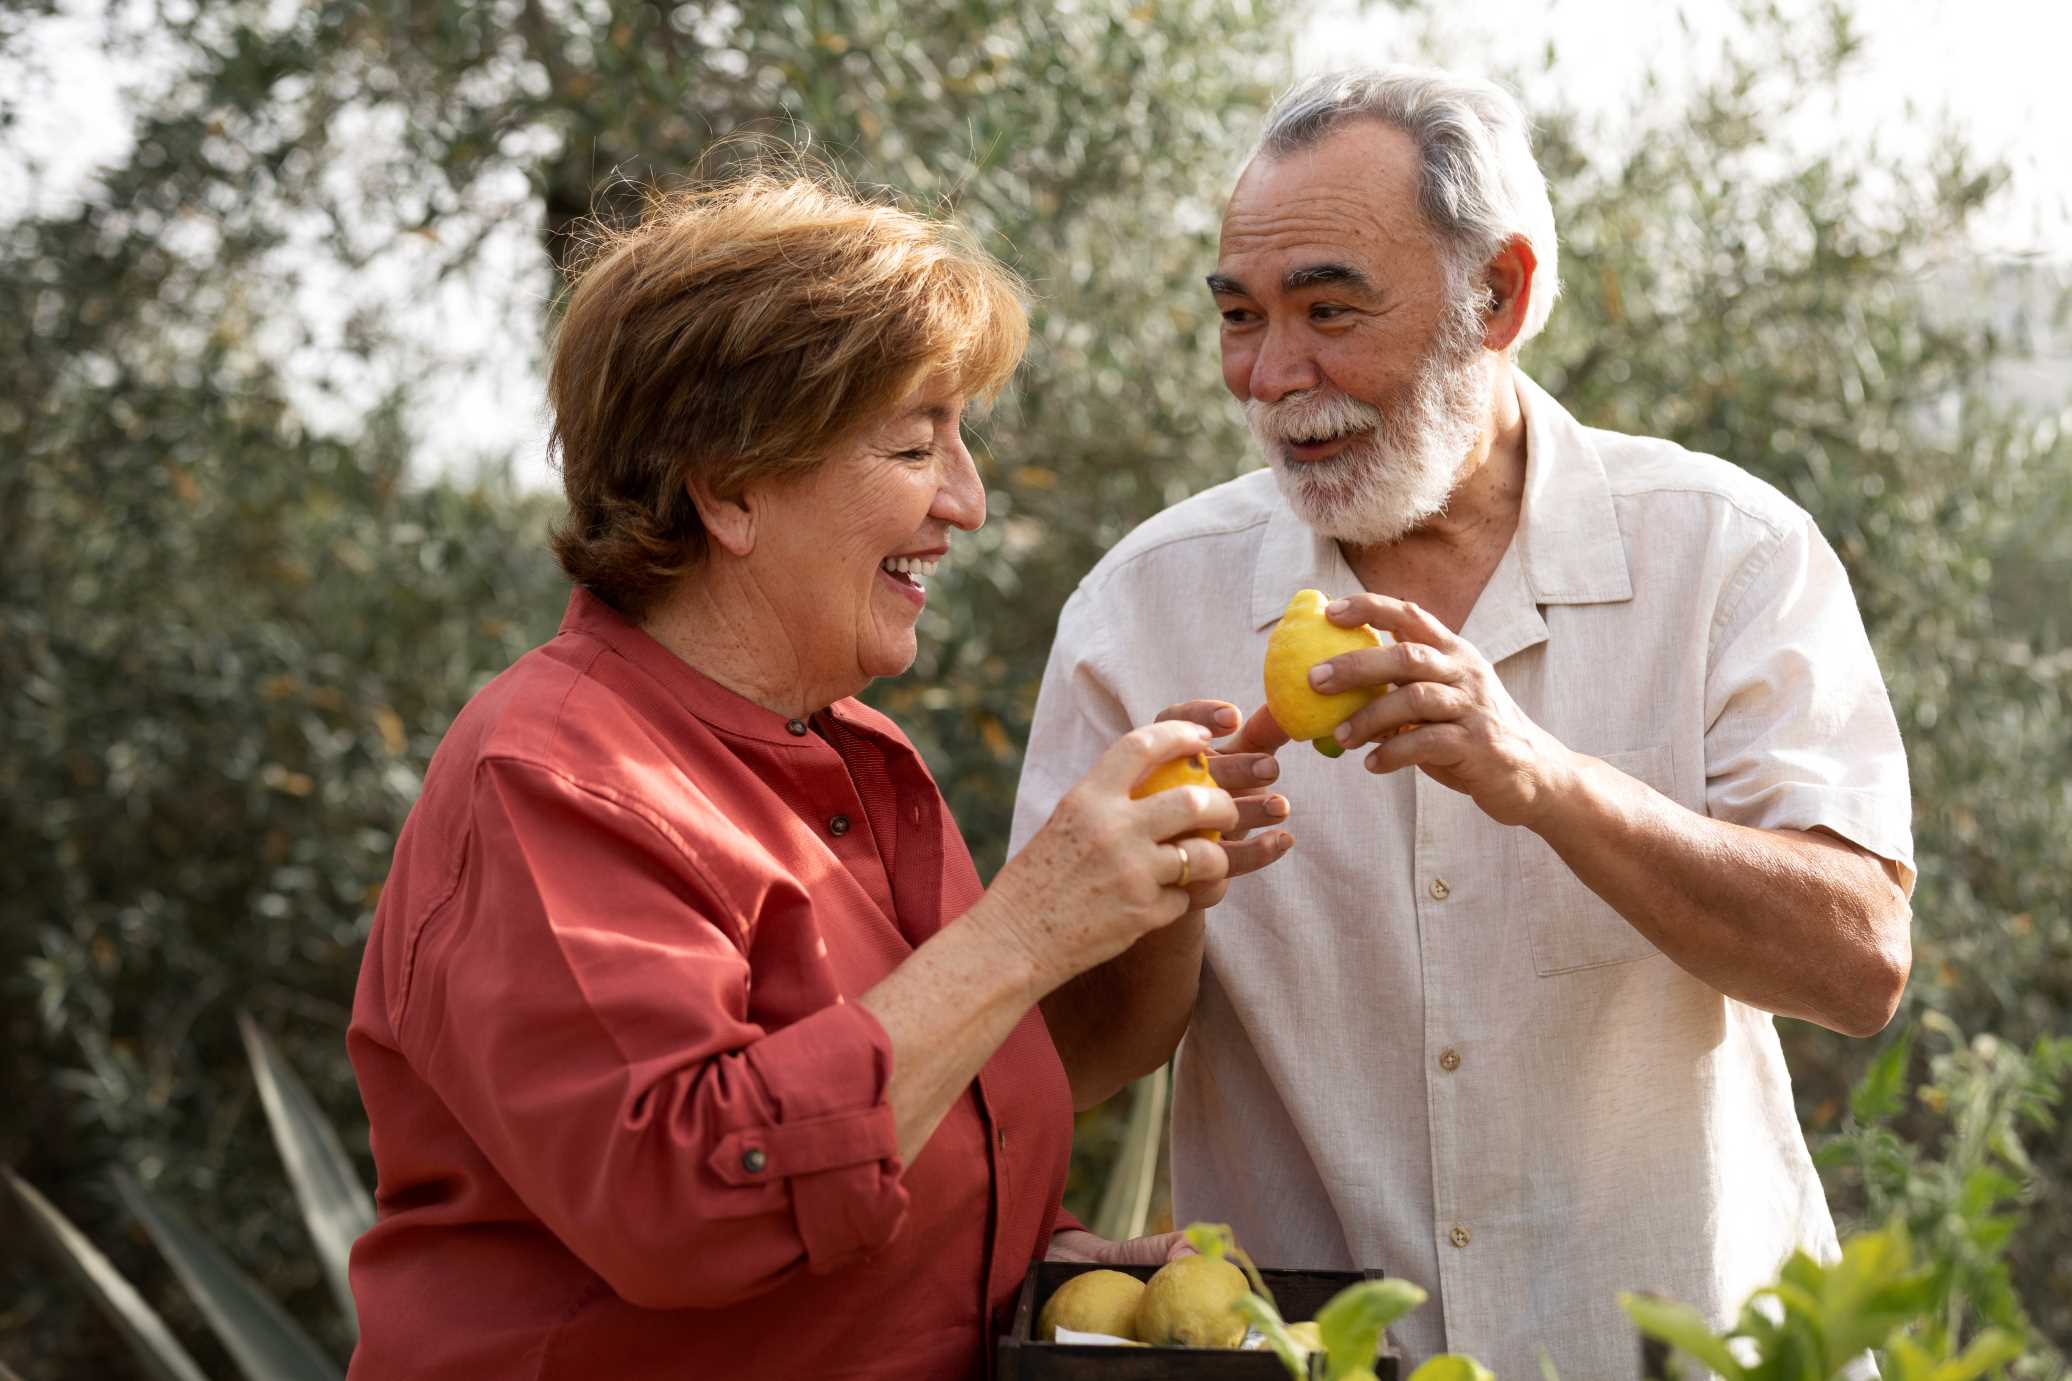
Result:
[[1459, 1236], [1440, 891]]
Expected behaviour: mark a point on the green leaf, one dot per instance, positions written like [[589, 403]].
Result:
[[334, 1203], [1351, 1323], [148, 1337], [266, 1344], [1213, 1240], [1684, 1329], [1262, 1315], [1451, 1366], [1883, 1089], [1990, 1349]]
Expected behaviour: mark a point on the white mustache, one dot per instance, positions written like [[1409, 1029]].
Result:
[[1308, 416]]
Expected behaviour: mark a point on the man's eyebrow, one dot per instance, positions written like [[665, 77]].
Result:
[[1223, 285], [1316, 275]]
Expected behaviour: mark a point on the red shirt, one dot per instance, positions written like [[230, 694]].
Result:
[[628, 1119]]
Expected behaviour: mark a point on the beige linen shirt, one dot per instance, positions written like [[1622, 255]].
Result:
[[1421, 1042]]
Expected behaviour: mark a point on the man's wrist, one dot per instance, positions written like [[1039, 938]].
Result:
[[1565, 795]]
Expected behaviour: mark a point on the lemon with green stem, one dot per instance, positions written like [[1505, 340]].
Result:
[[1302, 639]]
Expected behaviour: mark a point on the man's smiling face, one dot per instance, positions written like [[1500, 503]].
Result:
[[1363, 380]]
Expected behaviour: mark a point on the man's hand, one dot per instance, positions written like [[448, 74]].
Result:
[[1155, 1250], [1246, 769], [1460, 726]]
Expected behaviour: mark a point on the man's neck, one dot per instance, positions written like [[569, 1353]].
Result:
[[1444, 564]]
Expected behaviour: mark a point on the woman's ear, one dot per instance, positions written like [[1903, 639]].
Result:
[[730, 523]]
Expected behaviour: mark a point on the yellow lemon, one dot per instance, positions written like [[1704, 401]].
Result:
[[1308, 1334], [1187, 771], [1092, 1302], [1193, 1302], [1303, 638]]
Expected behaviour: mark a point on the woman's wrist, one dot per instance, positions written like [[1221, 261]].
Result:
[[1003, 923]]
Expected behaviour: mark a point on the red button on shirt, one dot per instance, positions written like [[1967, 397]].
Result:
[[628, 1119]]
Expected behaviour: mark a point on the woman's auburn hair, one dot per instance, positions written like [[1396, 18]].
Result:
[[744, 329]]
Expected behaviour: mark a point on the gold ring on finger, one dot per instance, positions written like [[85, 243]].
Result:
[[1186, 866]]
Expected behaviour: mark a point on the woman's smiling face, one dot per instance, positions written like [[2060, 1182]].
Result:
[[846, 550]]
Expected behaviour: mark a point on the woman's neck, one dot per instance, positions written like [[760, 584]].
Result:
[[722, 625]]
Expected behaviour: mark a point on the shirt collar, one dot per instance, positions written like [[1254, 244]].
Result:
[[1568, 549], [723, 709]]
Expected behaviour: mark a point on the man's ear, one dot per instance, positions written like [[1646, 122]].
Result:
[[730, 523], [1509, 279]]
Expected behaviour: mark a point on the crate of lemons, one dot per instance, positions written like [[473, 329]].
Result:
[[1218, 1299]]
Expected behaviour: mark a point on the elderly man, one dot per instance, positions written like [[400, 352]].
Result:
[[1503, 1024]]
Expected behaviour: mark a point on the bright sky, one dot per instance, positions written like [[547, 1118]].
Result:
[[1995, 66]]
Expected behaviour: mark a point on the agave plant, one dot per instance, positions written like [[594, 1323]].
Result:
[[264, 1342]]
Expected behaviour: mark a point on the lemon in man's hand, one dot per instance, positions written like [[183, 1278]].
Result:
[[1092, 1302], [1192, 770], [1303, 638]]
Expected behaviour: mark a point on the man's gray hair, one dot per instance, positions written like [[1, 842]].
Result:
[[1478, 183]]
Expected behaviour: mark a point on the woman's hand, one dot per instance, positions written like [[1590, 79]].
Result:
[[1247, 774], [1155, 1250], [1105, 870]]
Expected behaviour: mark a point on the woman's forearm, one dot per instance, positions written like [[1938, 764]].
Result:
[[946, 1010]]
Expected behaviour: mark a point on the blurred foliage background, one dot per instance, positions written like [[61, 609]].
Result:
[[243, 604]]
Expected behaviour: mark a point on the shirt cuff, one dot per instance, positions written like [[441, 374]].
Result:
[[833, 1141]]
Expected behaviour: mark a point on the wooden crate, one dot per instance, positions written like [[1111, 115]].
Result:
[[1299, 1294]]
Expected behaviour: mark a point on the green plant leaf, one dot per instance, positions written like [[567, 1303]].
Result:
[[1262, 1315], [1990, 1349], [334, 1203], [1883, 1089], [1213, 1240], [138, 1323], [1684, 1329], [266, 1344], [1351, 1323], [1451, 1366]]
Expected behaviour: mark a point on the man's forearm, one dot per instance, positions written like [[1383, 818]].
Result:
[[1120, 1021], [1798, 923]]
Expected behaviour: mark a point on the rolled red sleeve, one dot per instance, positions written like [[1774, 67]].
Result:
[[581, 1004]]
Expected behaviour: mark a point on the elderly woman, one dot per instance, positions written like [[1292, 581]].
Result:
[[690, 1043]]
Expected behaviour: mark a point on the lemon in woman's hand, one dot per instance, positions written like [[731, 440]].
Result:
[[1303, 638], [1192, 770]]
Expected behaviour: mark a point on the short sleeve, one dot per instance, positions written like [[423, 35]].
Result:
[[1800, 732]]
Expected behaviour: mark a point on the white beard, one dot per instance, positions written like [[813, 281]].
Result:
[[1402, 473]]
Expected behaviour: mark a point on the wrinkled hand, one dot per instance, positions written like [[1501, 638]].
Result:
[[1463, 729], [1105, 869], [1155, 1250], [1246, 770]]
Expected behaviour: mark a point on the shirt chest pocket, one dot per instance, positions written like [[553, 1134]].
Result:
[[1571, 926]]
